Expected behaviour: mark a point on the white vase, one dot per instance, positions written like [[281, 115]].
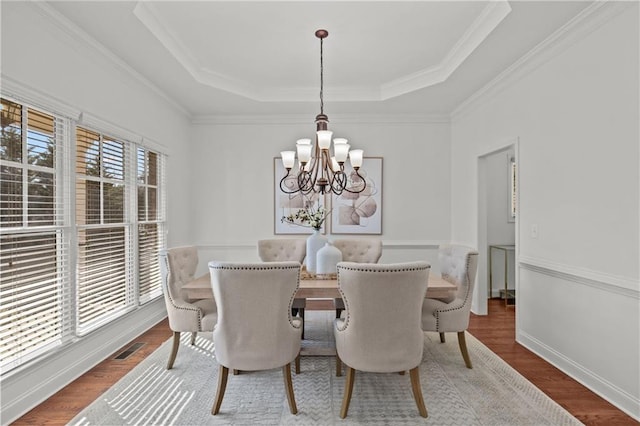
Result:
[[327, 259], [314, 243]]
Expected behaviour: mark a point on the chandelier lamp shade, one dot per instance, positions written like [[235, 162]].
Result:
[[320, 167]]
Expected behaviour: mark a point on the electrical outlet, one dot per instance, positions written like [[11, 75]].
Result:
[[534, 231]]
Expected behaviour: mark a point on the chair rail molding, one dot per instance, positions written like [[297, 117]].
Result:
[[612, 283]]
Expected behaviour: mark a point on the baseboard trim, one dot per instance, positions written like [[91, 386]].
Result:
[[616, 396], [26, 389]]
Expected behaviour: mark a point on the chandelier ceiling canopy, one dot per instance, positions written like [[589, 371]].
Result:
[[320, 167]]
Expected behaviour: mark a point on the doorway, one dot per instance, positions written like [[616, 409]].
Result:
[[497, 227]]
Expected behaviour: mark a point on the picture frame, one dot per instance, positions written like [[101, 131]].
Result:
[[286, 204], [359, 213]]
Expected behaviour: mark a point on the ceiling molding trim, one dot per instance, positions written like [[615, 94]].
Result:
[[150, 18], [482, 26], [587, 21], [334, 94], [84, 40], [306, 119]]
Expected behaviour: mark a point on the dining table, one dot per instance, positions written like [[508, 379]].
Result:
[[318, 288]]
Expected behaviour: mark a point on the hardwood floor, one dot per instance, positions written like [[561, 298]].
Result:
[[496, 331]]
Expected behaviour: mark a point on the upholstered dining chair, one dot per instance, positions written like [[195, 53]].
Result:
[[359, 251], [255, 329], [281, 250], [381, 331], [458, 265], [178, 267]]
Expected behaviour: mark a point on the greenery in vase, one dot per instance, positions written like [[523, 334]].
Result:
[[308, 217]]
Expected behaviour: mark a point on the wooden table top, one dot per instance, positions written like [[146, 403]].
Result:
[[316, 288]]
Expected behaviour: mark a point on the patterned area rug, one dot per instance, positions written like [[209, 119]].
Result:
[[491, 393]]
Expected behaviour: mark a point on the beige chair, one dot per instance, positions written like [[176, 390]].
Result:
[[255, 329], [282, 250], [458, 265], [178, 267], [359, 251], [381, 330]]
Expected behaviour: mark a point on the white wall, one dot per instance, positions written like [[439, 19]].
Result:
[[233, 173], [42, 56], [573, 106]]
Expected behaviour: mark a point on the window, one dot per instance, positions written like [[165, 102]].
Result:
[[80, 230], [34, 248], [150, 224]]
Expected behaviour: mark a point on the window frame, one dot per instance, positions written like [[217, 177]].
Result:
[[65, 225]]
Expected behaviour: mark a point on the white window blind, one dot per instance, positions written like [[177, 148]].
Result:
[[105, 266], [72, 263], [150, 172], [34, 247]]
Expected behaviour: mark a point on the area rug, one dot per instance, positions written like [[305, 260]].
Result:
[[492, 393]]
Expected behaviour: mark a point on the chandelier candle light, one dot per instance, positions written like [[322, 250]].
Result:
[[318, 170]]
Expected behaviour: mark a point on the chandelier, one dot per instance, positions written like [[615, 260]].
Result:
[[321, 169]]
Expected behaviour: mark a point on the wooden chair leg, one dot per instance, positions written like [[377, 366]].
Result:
[[462, 342], [417, 390], [401, 373], [174, 349], [236, 372], [348, 390], [288, 387], [302, 318], [442, 338], [222, 386], [338, 366], [193, 337], [298, 363], [338, 312]]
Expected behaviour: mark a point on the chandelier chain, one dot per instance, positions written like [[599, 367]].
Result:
[[321, 79]]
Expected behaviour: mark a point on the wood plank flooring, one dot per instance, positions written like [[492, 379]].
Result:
[[496, 331]]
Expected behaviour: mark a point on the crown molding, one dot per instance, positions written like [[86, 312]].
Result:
[[277, 119], [482, 26], [83, 40], [587, 21]]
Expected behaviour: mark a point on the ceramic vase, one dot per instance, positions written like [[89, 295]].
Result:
[[314, 243], [327, 259]]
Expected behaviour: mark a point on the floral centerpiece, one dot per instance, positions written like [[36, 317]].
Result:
[[308, 217]]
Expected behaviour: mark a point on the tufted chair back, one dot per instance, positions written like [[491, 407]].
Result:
[[178, 266], [381, 331], [360, 251], [458, 265], [282, 249], [255, 329]]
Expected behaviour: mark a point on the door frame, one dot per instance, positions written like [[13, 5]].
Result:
[[480, 304]]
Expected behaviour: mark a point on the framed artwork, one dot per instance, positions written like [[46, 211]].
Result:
[[359, 213], [287, 204]]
